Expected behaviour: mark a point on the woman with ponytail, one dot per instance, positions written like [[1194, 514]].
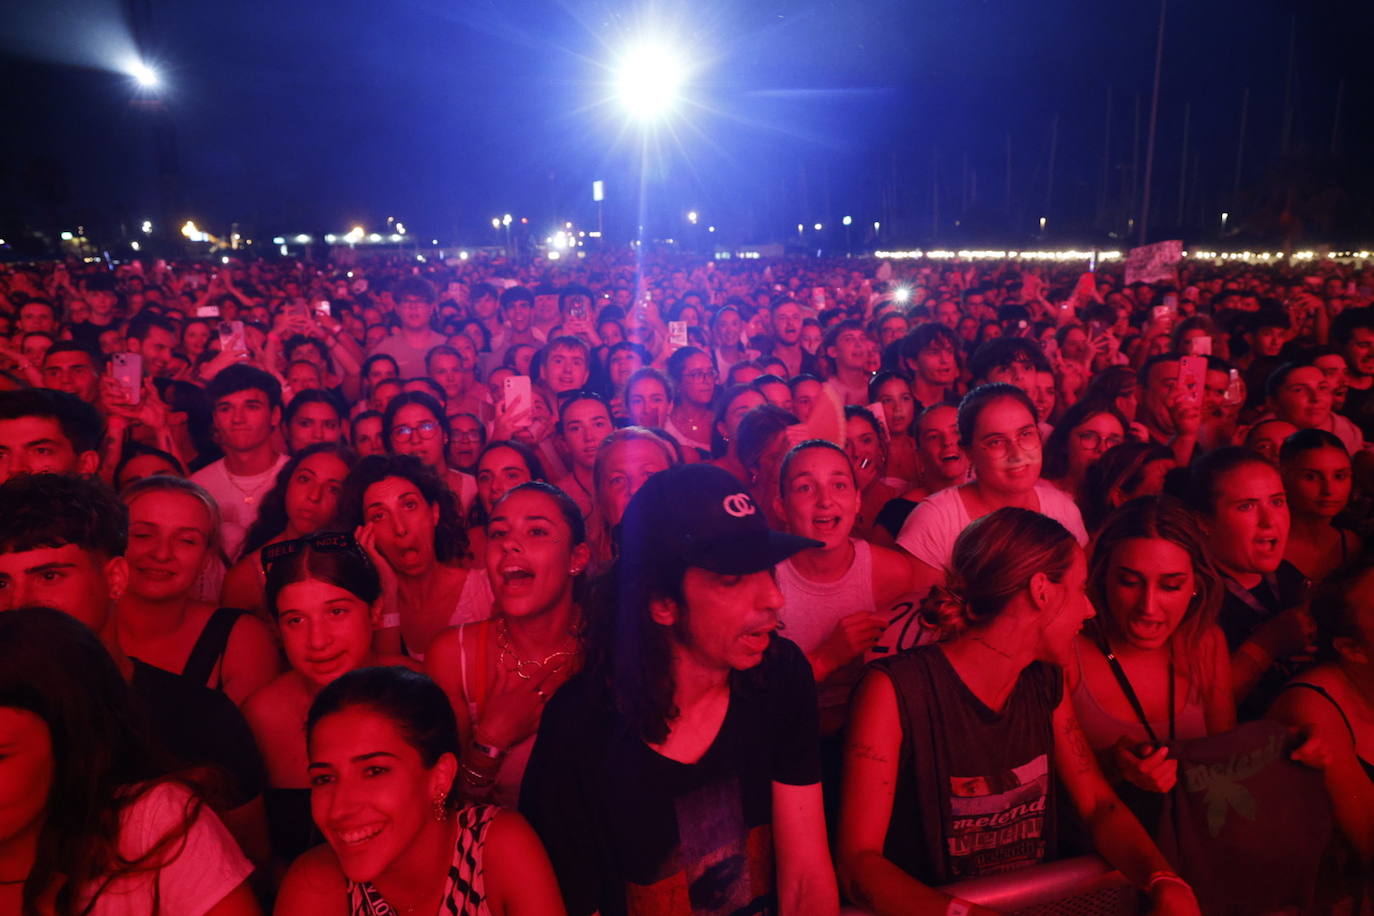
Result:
[[954, 748]]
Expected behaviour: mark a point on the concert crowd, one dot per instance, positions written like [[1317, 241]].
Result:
[[640, 583]]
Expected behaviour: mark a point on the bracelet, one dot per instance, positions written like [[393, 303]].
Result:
[[1166, 877], [957, 907], [475, 779], [487, 750]]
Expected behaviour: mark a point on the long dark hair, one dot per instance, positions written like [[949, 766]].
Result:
[[343, 564], [272, 520], [54, 667], [477, 515], [450, 538], [1056, 454]]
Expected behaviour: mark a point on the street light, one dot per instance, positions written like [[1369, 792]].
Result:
[[648, 81], [818, 227], [847, 220], [692, 217], [147, 227]]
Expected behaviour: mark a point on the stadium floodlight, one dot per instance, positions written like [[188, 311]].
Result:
[[648, 81], [145, 76]]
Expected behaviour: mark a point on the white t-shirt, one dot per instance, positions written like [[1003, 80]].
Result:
[[239, 499], [204, 871], [932, 527]]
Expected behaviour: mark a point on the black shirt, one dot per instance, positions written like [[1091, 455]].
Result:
[[1244, 610], [201, 728], [630, 831]]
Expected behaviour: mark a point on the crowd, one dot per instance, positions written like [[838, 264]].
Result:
[[666, 586]]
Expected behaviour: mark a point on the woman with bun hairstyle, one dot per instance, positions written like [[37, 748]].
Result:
[[954, 748]]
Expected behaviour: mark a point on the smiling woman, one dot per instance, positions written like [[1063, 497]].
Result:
[[383, 757]]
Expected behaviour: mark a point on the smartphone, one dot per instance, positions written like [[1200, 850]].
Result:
[[516, 390], [1201, 345], [677, 335], [577, 312], [231, 337], [1235, 389], [207, 311], [1192, 377], [127, 368], [322, 308]]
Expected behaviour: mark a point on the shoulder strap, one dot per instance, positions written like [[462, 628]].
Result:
[[1321, 691], [210, 648], [1125, 683]]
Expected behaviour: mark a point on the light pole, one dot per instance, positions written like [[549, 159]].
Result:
[[848, 248]]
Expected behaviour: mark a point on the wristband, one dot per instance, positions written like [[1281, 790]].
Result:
[[1166, 877], [390, 620], [957, 907], [487, 750]]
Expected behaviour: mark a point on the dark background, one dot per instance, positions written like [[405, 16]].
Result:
[[291, 117]]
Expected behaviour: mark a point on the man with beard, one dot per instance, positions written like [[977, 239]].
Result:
[[787, 329]]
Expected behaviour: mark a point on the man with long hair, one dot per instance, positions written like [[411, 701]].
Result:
[[682, 764]]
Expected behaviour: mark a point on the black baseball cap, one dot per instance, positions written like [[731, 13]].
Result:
[[700, 515]]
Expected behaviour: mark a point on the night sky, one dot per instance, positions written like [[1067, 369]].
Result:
[[313, 117]]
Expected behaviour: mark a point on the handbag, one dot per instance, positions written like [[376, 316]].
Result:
[[1244, 825]]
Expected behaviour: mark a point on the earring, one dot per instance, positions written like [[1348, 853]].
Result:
[[440, 808]]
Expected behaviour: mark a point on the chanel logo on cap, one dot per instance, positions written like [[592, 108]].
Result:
[[739, 505]]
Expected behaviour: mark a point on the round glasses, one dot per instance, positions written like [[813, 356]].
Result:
[[426, 430]]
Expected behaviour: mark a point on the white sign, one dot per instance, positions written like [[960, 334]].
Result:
[[1157, 263]]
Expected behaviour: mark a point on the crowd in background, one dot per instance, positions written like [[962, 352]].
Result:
[[653, 584]]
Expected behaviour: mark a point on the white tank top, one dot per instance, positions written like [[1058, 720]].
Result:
[[811, 609]]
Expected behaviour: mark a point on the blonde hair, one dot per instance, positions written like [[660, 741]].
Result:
[[994, 559], [165, 483]]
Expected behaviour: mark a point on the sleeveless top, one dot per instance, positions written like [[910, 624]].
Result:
[[1102, 729], [976, 791], [465, 891], [211, 644], [474, 603], [1366, 765], [811, 609], [506, 790]]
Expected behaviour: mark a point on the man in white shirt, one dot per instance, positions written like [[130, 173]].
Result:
[[246, 406]]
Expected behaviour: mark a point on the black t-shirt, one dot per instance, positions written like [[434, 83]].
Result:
[[201, 728], [88, 333], [631, 832], [976, 792], [1359, 409], [1244, 610]]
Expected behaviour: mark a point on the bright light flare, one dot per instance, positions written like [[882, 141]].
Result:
[[145, 76], [649, 80]]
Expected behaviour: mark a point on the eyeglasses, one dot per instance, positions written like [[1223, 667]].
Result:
[[426, 430], [468, 436], [323, 542], [699, 375], [1027, 440], [1092, 439]]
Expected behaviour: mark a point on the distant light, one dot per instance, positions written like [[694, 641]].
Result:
[[66, 236], [374, 237], [1042, 222], [192, 232], [496, 222], [505, 220], [692, 217], [598, 191], [302, 239], [800, 228], [462, 255], [876, 225], [902, 294], [144, 75], [280, 240], [649, 80], [330, 238], [710, 228], [595, 234], [400, 228], [567, 225], [434, 241], [818, 227], [147, 227], [355, 235], [224, 259], [133, 245], [554, 256], [847, 220], [524, 220]]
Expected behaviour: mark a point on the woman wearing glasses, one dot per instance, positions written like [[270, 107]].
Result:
[[1083, 435], [694, 379], [408, 523], [326, 599], [999, 430], [415, 424]]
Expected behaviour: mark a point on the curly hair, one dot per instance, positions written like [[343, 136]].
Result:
[[450, 538]]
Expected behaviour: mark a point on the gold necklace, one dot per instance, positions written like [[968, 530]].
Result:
[[520, 665]]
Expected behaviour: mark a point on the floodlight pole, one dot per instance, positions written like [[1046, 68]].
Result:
[[1154, 119]]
